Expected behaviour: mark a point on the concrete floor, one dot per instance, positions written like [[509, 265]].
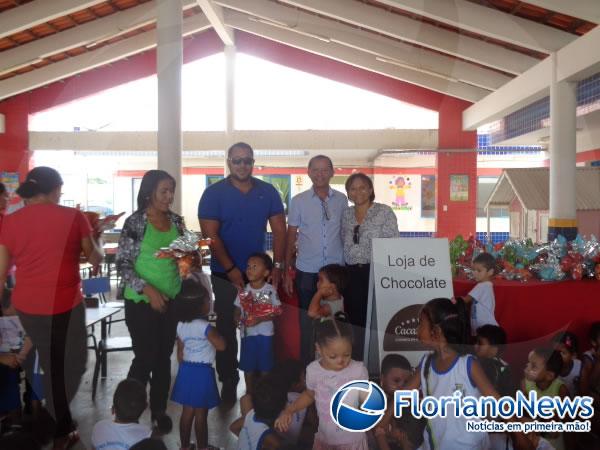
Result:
[[87, 412]]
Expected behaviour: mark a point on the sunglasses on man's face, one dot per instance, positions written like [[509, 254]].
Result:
[[239, 161]]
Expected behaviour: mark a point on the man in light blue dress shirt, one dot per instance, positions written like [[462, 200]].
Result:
[[314, 233]]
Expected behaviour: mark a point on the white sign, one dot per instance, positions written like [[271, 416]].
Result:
[[405, 274]]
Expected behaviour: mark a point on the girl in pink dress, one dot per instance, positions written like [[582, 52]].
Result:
[[323, 378]]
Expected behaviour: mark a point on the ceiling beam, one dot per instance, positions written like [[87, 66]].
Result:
[[37, 12], [353, 57], [393, 51], [575, 62], [430, 36], [583, 9], [87, 34], [87, 61], [488, 22], [263, 139], [214, 15]]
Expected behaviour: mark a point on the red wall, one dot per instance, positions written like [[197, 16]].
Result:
[[14, 142]]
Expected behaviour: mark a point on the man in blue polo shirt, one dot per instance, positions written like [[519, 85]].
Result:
[[234, 213], [314, 232]]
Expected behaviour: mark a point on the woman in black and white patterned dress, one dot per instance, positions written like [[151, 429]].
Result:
[[362, 222]]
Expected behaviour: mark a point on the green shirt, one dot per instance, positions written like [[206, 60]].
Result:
[[551, 391], [163, 274]]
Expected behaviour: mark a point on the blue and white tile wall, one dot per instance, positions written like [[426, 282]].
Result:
[[496, 237], [536, 115]]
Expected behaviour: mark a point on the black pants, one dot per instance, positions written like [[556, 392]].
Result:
[[306, 286], [225, 294], [153, 337], [356, 299], [61, 342]]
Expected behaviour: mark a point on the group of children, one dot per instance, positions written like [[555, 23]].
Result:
[[287, 405], [466, 346], [17, 355]]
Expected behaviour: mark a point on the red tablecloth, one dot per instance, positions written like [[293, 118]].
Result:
[[532, 312]]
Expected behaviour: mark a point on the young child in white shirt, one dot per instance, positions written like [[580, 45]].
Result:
[[259, 411], [291, 374], [328, 300], [256, 352], [566, 344], [195, 387], [15, 346], [481, 298], [129, 402]]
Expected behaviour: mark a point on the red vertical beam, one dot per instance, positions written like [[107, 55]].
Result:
[[14, 142], [455, 217]]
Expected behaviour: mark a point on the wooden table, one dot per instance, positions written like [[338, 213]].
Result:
[[110, 248], [100, 314]]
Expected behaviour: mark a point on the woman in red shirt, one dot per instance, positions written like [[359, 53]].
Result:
[[45, 241]]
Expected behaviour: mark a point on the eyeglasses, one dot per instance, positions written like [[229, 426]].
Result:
[[240, 161], [325, 210], [356, 236]]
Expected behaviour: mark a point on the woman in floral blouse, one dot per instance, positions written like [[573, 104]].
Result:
[[149, 286], [360, 224]]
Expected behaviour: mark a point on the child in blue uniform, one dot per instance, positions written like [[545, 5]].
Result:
[[197, 341], [129, 402], [256, 353], [15, 347], [268, 400]]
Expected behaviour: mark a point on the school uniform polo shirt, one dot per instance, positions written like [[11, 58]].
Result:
[[242, 217]]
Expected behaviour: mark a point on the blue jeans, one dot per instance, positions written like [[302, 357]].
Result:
[[306, 286]]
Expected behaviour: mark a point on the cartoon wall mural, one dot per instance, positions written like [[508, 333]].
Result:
[[400, 186]]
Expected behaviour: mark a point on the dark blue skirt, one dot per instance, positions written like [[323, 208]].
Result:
[[10, 393], [196, 386]]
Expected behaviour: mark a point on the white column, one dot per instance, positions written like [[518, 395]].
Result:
[[169, 61], [489, 228], [229, 99], [563, 151]]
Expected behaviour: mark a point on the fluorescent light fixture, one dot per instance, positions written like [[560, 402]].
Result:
[[285, 26], [190, 153], [281, 153], [257, 153], [406, 152], [268, 21], [417, 69], [204, 154]]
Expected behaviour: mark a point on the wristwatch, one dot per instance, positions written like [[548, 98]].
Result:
[[278, 265]]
